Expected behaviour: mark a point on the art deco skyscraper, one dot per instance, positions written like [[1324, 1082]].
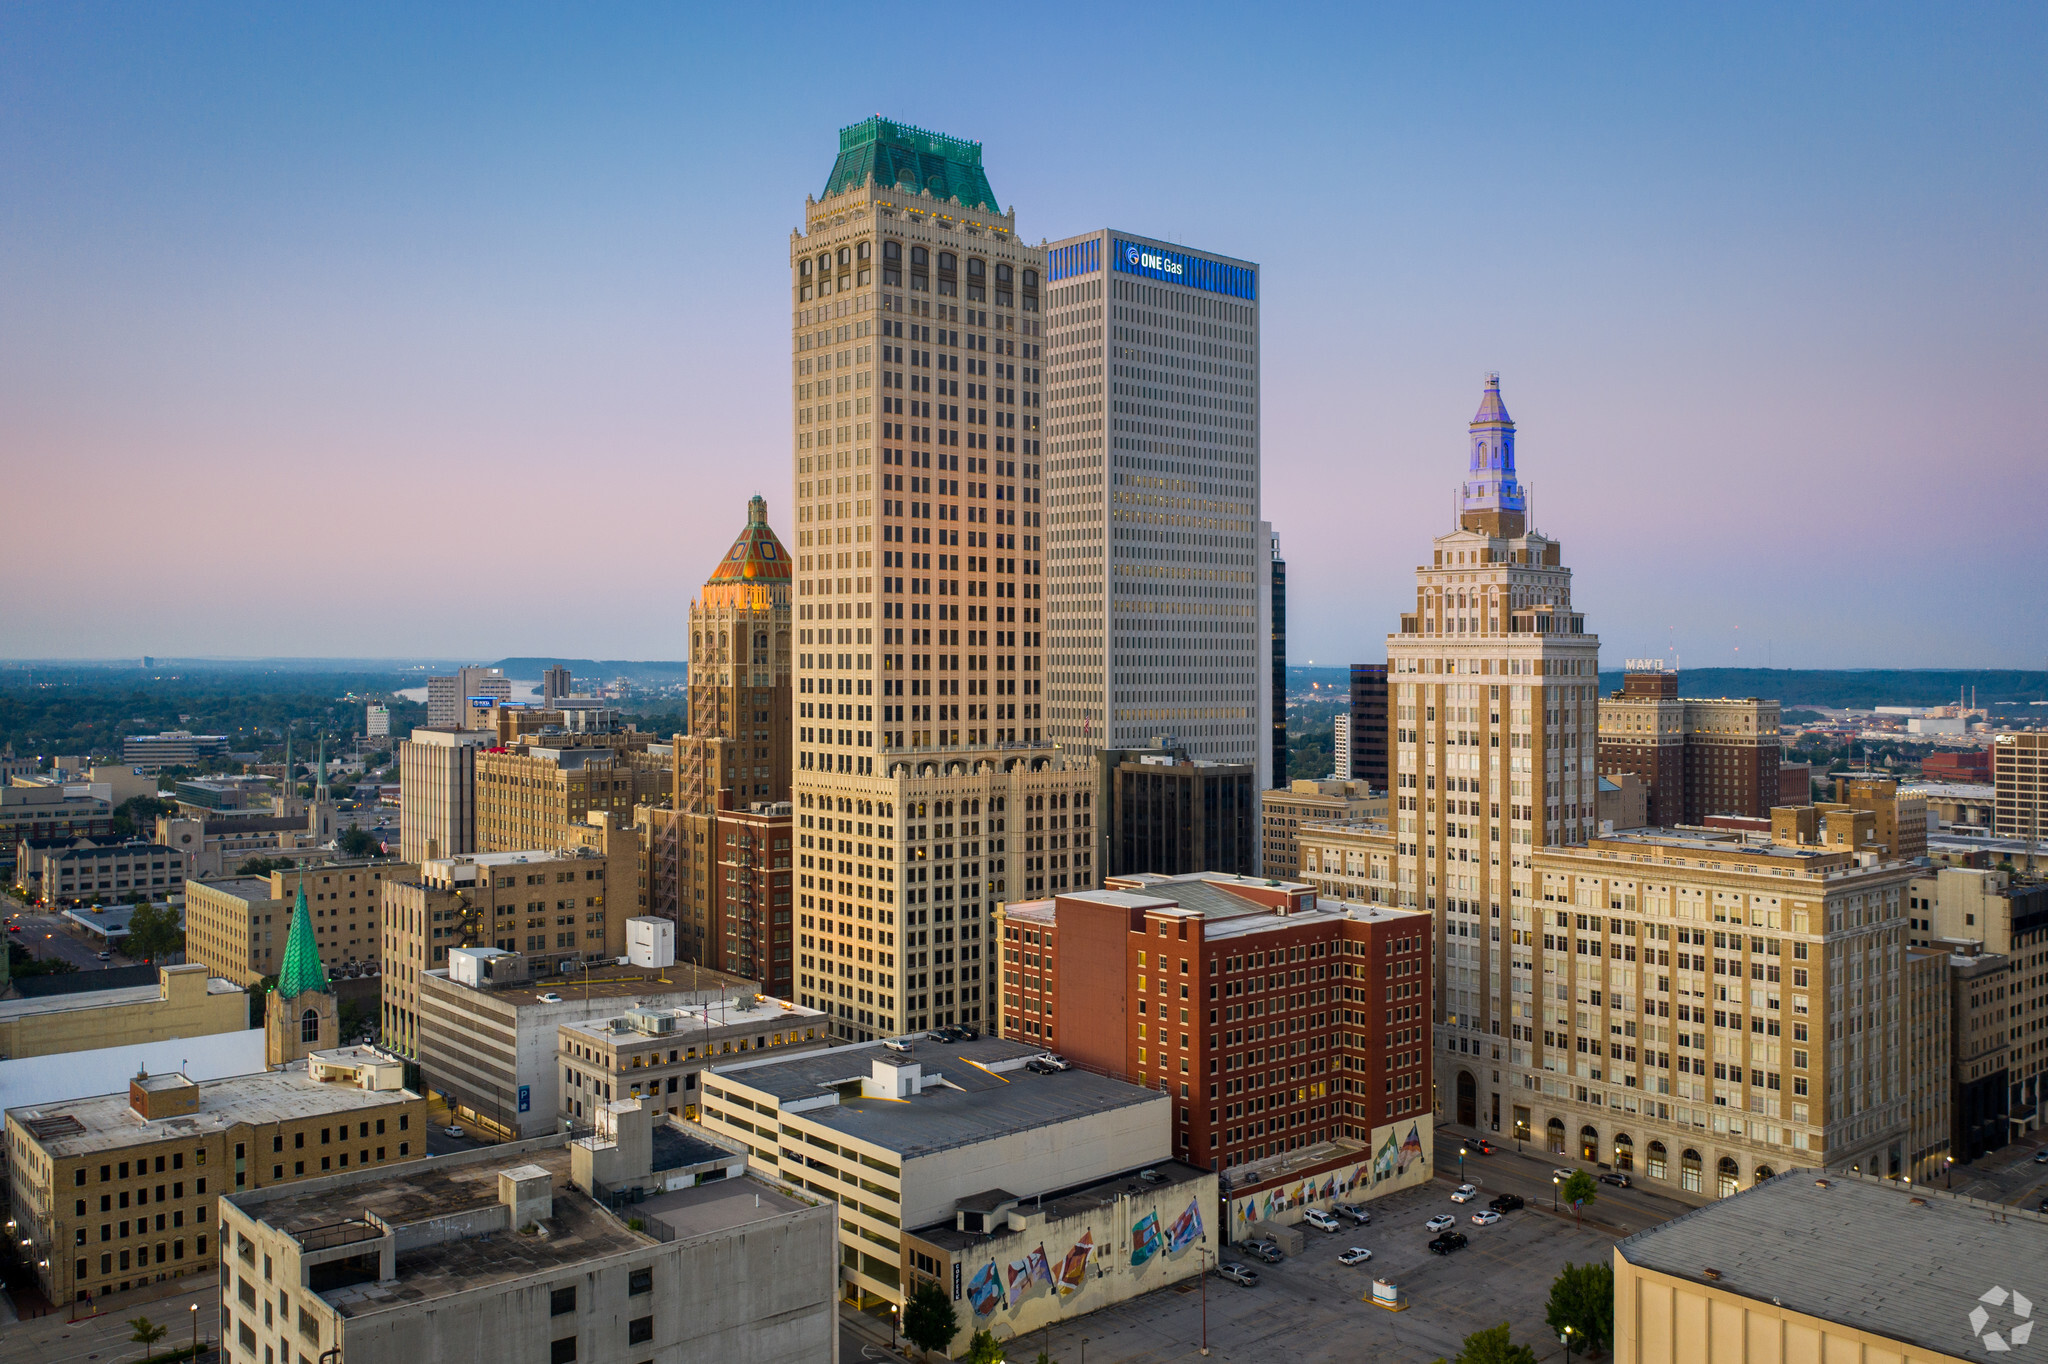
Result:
[[1493, 713], [926, 791], [1153, 558]]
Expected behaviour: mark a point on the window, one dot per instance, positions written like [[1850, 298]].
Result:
[[639, 1330], [562, 1300], [563, 1351], [1689, 1172], [639, 1281], [309, 1026]]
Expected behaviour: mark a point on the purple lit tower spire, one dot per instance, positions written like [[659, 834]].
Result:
[[1491, 499]]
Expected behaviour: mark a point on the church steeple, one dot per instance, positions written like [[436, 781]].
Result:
[[302, 970], [302, 1014], [1491, 500]]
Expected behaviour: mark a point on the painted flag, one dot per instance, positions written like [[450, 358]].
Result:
[[1074, 1269], [1330, 1187], [1144, 1238], [1041, 1268], [1187, 1227], [1411, 1149], [1020, 1277], [1383, 1163], [985, 1289], [1269, 1205]]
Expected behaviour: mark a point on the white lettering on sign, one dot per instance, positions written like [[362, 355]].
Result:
[[1644, 665]]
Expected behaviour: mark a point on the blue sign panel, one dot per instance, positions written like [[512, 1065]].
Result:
[[526, 1098], [1172, 267], [1076, 258]]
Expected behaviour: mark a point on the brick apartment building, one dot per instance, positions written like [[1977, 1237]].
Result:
[[1695, 757], [1276, 1020]]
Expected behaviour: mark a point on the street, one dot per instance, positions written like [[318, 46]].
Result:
[[107, 1338], [47, 937]]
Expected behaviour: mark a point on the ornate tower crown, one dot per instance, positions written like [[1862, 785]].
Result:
[[756, 571], [1491, 500]]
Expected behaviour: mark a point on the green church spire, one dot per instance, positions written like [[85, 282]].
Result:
[[302, 970]]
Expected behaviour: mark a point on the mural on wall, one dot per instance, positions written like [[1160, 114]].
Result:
[[1145, 1238], [1074, 1269], [1397, 1161], [1041, 1269], [1187, 1227], [985, 1290]]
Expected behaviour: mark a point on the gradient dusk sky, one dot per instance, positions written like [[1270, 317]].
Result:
[[462, 331]]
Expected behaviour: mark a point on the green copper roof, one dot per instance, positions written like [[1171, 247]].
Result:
[[900, 156], [302, 970]]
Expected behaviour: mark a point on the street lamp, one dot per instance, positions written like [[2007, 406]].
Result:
[[195, 1330], [1565, 1338], [1949, 1165], [1553, 1193], [1461, 1165], [1203, 1251]]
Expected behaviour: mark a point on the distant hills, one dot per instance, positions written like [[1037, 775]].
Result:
[[1860, 688], [602, 669]]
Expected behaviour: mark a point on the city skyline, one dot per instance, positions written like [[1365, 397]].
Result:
[[354, 310]]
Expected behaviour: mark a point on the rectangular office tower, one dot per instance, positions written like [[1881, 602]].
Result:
[[1154, 558], [926, 786]]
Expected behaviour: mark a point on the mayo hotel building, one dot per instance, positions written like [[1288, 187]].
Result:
[[1701, 1009]]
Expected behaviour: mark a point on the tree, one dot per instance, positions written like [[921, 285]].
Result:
[[263, 866], [147, 1333], [1492, 1346], [929, 1321], [984, 1349], [1582, 1297], [1579, 1190], [154, 933], [356, 842]]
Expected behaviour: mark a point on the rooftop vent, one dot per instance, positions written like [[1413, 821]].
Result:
[[653, 1022], [1711, 1273]]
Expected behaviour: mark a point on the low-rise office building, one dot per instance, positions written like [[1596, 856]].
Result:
[[215, 845], [898, 1134], [174, 748], [33, 812], [1170, 812], [490, 1256], [489, 1035], [659, 1051], [1282, 814], [186, 1001], [238, 925], [118, 1190], [81, 871], [1764, 1277]]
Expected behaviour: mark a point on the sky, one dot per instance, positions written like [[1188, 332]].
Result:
[[461, 330]]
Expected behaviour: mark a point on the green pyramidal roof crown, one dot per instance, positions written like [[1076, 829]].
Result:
[[899, 156], [302, 970]]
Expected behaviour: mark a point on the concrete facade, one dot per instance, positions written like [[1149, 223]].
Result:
[[237, 926], [659, 1051], [437, 781], [187, 1002], [1283, 812]]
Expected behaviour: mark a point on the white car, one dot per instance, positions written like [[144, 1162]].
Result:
[[1441, 1222], [1357, 1255], [1464, 1193], [1485, 1217], [452, 1130], [1320, 1220]]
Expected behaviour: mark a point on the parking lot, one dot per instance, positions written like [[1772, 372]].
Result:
[[1311, 1308]]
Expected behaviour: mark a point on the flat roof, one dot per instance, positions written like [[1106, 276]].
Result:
[[105, 1122], [1782, 1243], [975, 1104], [1692, 840], [696, 1019], [251, 888], [605, 982], [1224, 915], [721, 1205], [1099, 1196], [578, 1232]]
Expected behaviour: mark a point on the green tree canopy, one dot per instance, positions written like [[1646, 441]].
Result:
[[147, 1333], [359, 843], [1582, 1297], [154, 933], [1492, 1346], [929, 1321], [263, 866], [1580, 1188], [984, 1349]]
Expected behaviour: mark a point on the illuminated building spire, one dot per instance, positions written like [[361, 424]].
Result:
[[1491, 500]]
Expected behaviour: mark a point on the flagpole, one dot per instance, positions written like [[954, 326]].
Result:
[[1204, 1252]]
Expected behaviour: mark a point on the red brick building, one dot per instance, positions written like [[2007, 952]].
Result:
[[1277, 1020], [1970, 768]]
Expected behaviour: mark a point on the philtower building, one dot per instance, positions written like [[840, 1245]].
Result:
[[927, 788], [1494, 705], [1154, 556]]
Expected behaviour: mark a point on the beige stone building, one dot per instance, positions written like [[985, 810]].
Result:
[[2019, 778], [1701, 1008], [437, 792], [529, 792], [657, 1050], [118, 1190], [916, 345], [553, 906], [186, 1001], [1309, 801], [238, 925]]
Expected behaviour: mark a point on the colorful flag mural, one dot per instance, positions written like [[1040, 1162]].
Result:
[[1411, 1149], [1041, 1269], [1187, 1227], [1383, 1163], [1020, 1278], [1074, 1269], [1145, 1238], [985, 1289], [1330, 1187]]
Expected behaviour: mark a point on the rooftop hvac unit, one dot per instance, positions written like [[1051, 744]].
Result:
[[653, 1022]]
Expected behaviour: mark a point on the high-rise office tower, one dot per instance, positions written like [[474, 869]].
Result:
[[555, 683], [926, 790], [448, 697], [1273, 592], [1494, 706], [1152, 497], [1368, 725], [1340, 744], [718, 862]]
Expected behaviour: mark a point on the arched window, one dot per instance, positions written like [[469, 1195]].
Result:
[[1589, 1144], [803, 268], [845, 257], [309, 1026], [1764, 1172], [1624, 1152], [947, 262], [1689, 1171], [1556, 1135], [1727, 1177], [1656, 1168]]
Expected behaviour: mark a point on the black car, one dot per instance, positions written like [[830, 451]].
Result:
[[1619, 1181], [1042, 1067], [1506, 1202], [1448, 1242]]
